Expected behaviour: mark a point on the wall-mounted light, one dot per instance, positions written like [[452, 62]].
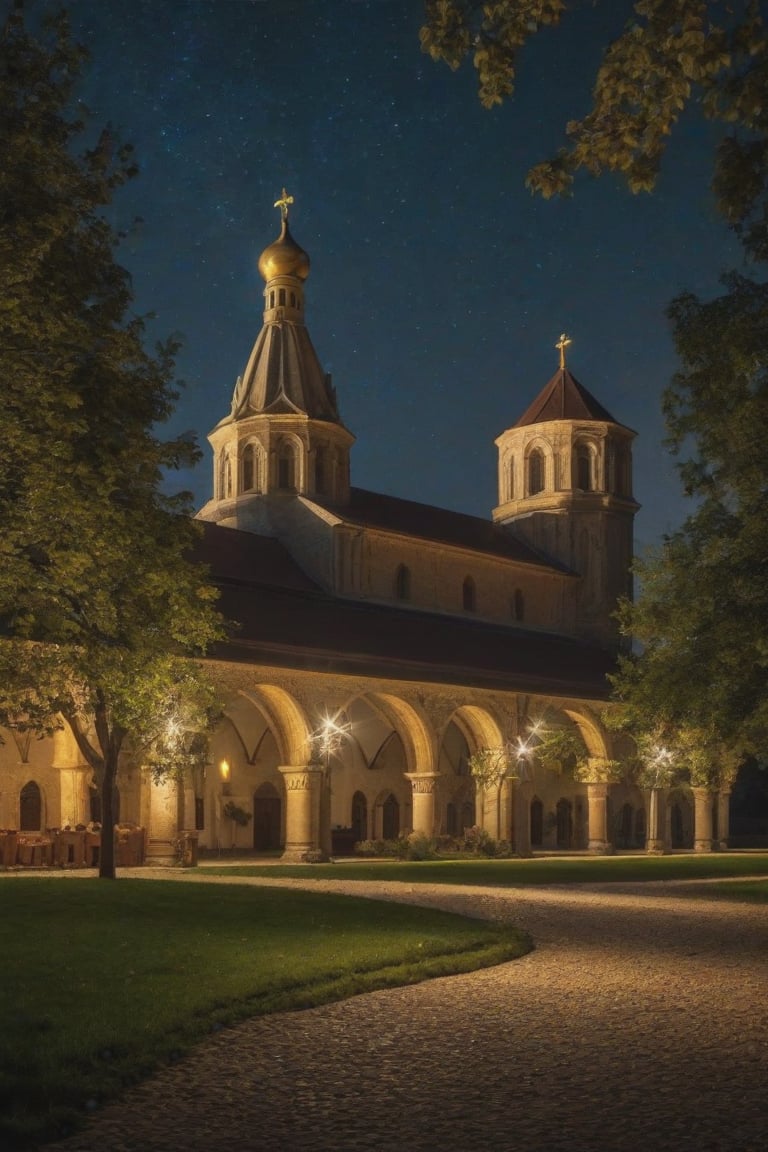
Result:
[[224, 770]]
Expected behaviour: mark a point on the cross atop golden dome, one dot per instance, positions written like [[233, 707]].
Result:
[[284, 257]]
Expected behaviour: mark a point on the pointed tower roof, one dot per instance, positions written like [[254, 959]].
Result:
[[563, 398], [283, 373]]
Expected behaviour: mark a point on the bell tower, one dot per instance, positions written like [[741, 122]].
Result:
[[283, 436], [565, 487]]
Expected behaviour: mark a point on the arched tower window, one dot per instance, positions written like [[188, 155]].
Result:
[[535, 472], [403, 583], [468, 595], [321, 471], [224, 475], [249, 468], [30, 808], [584, 478], [286, 467]]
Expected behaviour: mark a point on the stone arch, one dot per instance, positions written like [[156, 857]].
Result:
[[479, 727], [591, 730], [286, 718], [412, 726]]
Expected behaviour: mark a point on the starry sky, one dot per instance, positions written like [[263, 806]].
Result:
[[439, 285]]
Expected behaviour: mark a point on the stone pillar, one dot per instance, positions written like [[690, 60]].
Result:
[[423, 787], [163, 821], [521, 815], [597, 802], [75, 799], [702, 820], [303, 794], [655, 841], [723, 817]]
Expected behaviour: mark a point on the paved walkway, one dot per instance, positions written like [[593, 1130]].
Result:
[[640, 1021]]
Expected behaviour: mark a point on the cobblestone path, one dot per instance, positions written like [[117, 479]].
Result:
[[640, 1021]]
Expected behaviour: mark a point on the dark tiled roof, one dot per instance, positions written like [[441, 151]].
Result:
[[393, 514], [234, 556], [295, 626], [563, 398]]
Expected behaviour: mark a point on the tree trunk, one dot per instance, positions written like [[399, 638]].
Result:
[[107, 853]]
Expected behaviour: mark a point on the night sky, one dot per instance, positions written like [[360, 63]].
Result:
[[439, 286]]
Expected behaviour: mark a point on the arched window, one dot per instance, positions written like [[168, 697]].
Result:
[[535, 472], [281, 297], [272, 298], [403, 583], [518, 605], [468, 595], [321, 471], [249, 468], [225, 476], [584, 479], [30, 808], [286, 467]]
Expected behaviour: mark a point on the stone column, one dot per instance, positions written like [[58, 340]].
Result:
[[723, 817], [702, 820], [423, 787], [655, 842], [597, 802], [521, 815], [163, 821], [74, 792], [303, 792]]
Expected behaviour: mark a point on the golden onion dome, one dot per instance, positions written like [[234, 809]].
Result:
[[284, 257]]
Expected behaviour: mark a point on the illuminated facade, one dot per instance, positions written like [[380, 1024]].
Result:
[[424, 635]]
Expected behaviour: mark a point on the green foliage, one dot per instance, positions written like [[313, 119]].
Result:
[[702, 615], [237, 814], [672, 55], [99, 603], [489, 766]]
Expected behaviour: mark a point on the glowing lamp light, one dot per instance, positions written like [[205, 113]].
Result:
[[224, 770]]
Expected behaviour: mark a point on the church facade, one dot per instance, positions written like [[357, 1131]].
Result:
[[380, 643]]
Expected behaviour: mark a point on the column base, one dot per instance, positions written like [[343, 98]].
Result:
[[161, 854], [303, 855], [703, 845], [723, 845], [600, 848], [655, 848]]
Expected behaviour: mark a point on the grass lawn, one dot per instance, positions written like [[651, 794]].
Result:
[[515, 873], [102, 981]]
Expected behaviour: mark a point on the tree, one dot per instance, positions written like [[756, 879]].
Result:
[[672, 55], [702, 615], [101, 606]]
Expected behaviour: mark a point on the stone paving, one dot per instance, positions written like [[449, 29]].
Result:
[[640, 1021]]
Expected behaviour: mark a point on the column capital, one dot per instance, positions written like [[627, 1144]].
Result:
[[423, 783], [299, 777]]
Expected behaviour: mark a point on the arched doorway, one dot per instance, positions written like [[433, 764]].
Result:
[[30, 808], [625, 826], [537, 822], [267, 818], [390, 818], [564, 814], [359, 817]]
